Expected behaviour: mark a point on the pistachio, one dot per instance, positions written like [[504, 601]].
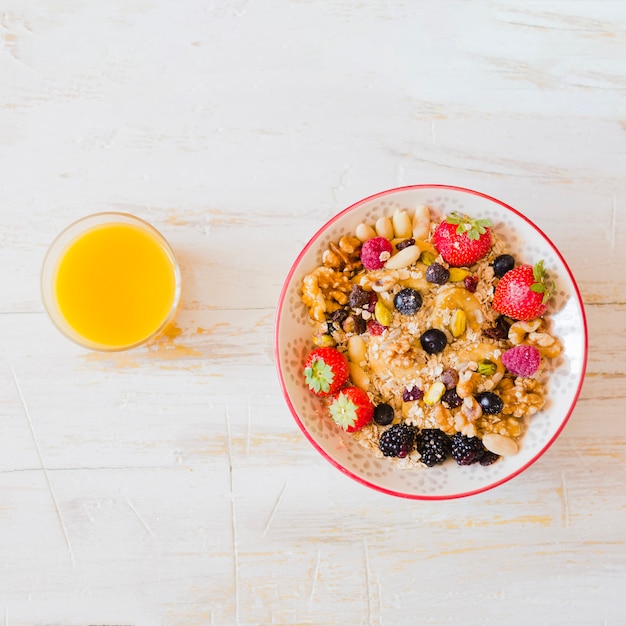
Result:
[[434, 393], [382, 313], [323, 340], [457, 274], [458, 323], [427, 257], [487, 367]]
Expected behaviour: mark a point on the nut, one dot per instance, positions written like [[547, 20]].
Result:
[[468, 381], [382, 313], [325, 290], [421, 222], [364, 232], [458, 323], [457, 274], [434, 393], [343, 255], [405, 257], [359, 376], [357, 349], [499, 444], [384, 228], [402, 226]]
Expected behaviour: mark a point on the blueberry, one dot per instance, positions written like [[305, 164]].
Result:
[[490, 403], [433, 341], [408, 301], [383, 414], [436, 273], [502, 264]]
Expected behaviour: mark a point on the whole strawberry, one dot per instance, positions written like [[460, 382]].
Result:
[[326, 370], [523, 292], [351, 409], [461, 240]]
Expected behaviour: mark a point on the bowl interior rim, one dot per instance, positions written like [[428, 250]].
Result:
[[415, 496]]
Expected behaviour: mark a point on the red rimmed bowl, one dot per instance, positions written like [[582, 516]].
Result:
[[293, 341]]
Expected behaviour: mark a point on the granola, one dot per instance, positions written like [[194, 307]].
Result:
[[421, 334]]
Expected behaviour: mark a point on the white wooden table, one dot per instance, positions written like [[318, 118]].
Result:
[[170, 485]]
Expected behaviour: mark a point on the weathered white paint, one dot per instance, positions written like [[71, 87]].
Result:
[[170, 485]]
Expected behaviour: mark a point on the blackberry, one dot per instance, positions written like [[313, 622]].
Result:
[[407, 301], [397, 440], [451, 399], [383, 414], [433, 445], [466, 450], [437, 274], [488, 458]]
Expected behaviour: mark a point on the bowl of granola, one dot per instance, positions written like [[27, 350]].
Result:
[[430, 342]]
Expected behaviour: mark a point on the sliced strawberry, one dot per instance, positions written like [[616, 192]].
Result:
[[461, 240], [351, 409], [523, 292], [326, 370]]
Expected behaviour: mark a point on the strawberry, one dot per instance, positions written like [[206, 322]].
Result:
[[351, 409], [523, 292], [326, 371], [461, 240]]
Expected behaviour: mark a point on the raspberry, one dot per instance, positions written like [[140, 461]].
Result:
[[397, 440], [433, 446], [523, 360], [374, 253], [466, 450]]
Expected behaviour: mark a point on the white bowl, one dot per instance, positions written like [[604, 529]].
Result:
[[293, 341]]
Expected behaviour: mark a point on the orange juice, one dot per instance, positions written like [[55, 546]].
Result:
[[115, 284]]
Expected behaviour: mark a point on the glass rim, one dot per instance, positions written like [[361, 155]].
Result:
[[60, 244]]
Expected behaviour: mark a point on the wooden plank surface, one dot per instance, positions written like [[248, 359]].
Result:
[[170, 485]]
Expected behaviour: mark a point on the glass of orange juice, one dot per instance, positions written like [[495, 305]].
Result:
[[110, 282]]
